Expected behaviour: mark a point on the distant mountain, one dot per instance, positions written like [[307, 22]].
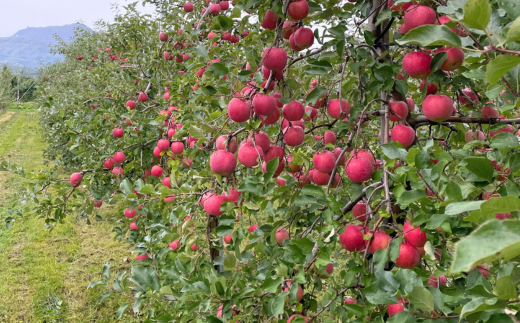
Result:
[[30, 46]]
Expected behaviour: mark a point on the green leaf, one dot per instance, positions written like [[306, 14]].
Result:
[[315, 95], [218, 69], [338, 31], [481, 167], [477, 14], [230, 260], [422, 159], [454, 192], [208, 90], [431, 35], [278, 303], [479, 304], [421, 298], [500, 205], [313, 190], [510, 6], [121, 310], [270, 285], [126, 187], [514, 162], [461, 207], [197, 133], [393, 152], [201, 51], [438, 60], [225, 22], [500, 66], [505, 288], [410, 196], [504, 140], [400, 317], [493, 240]]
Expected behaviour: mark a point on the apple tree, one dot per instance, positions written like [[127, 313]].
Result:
[[299, 161]]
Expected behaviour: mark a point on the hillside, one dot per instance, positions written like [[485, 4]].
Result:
[[30, 46]]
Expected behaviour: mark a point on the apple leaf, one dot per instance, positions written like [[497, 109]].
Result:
[[481, 167], [201, 51], [421, 298], [510, 6], [431, 35], [500, 66], [477, 14], [315, 95], [514, 31], [493, 240], [504, 140], [218, 69], [461, 207]]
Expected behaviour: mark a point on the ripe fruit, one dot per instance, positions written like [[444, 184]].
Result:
[[140, 258], [408, 257], [288, 28], [143, 97], [250, 155], [471, 95], [364, 154], [227, 239], [489, 112], [253, 228], [337, 152], [324, 161], [157, 171], [454, 59], [264, 104], [310, 113], [117, 171], [175, 245], [98, 203], [214, 9], [270, 19], [75, 179], [474, 135], [281, 235], [177, 147], [222, 162], [133, 226], [394, 309], [318, 177], [437, 107], [358, 169], [130, 213], [430, 88], [194, 247], [293, 111], [224, 5], [213, 204], [293, 136], [359, 211], [274, 58], [267, 73], [261, 140], [405, 135], [188, 7], [166, 182], [417, 64], [303, 38], [329, 137], [239, 110], [118, 132], [328, 270], [334, 111], [418, 16], [163, 36], [131, 104], [163, 144], [221, 143], [398, 110], [298, 10], [350, 300], [352, 239], [414, 236], [109, 163], [380, 240]]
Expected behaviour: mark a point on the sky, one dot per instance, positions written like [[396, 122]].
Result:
[[20, 14]]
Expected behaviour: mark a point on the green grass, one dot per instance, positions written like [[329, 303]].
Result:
[[44, 274]]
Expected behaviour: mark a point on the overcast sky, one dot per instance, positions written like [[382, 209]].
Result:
[[20, 14]]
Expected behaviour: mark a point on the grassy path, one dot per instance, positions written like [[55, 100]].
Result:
[[44, 274]]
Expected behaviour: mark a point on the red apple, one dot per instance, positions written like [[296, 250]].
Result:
[[408, 258], [222, 162], [405, 135], [352, 239], [417, 64], [437, 107], [75, 179], [358, 169], [298, 10]]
